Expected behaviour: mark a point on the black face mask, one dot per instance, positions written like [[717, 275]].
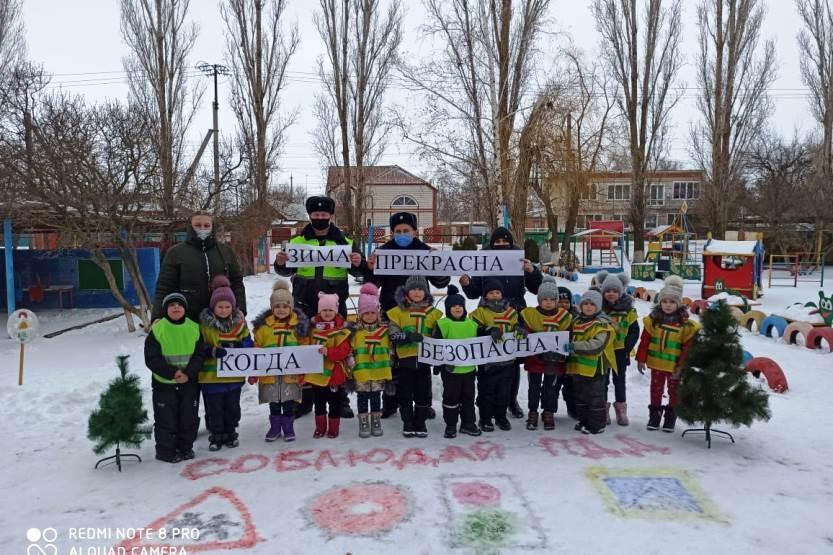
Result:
[[320, 223], [502, 247]]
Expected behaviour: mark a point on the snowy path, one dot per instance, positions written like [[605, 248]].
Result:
[[526, 492]]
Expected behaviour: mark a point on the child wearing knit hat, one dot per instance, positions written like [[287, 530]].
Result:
[[372, 372], [666, 337], [495, 316], [280, 325], [543, 371], [413, 317], [222, 325], [592, 355], [458, 381], [618, 306], [329, 332]]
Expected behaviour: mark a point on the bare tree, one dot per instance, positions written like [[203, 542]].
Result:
[[733, 73], [481, 78], [361, 41], [258, 49], [12, 39], [89, 171], [644, 68], [160, 41], [815, 43]]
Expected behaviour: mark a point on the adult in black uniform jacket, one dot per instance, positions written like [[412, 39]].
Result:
[[514, 289], [403, 227]]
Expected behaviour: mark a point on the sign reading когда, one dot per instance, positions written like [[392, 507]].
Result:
[[273, 361]]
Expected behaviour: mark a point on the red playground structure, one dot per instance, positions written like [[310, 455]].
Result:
[[734, 266]]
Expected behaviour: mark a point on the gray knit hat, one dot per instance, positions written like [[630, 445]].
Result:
[[673, 290], [592, 296], [548, 289], [416, 282], [616, 282]]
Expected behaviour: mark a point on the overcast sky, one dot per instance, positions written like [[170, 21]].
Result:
[[79, 42]]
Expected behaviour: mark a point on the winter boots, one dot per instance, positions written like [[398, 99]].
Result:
[[654, 416], [621, 410], [420, 416], [275, 422], [532, 420], [230, 440], [515, 410], [332, 427], [215, 442], [364, 425], [548, 419], [670, 419], [320, 426], [288, 426], [470, 429], [450, 418], [376, 424]]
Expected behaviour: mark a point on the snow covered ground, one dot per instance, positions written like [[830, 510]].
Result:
[[629, 490]]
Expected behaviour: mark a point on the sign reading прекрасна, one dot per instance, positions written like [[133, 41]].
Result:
[[449, 263], [272, 361], [484, 350]]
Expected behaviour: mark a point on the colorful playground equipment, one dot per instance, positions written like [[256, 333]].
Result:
[[602, 247], [672, 250], [732, 265]]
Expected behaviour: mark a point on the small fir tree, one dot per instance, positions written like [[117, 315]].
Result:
[[714, 386], [119, 418]]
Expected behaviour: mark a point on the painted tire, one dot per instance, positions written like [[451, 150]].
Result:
[[773, 322], [816, 335], [755, 316], [795, 329], [775, 377]]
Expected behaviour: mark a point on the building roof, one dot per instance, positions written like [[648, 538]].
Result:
[[376, 176], [660, 174], [735, 248], [597, 232]]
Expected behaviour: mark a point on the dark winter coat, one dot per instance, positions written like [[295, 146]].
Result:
[[190, 266], [624, 304], [514, 287], [305, 291], [389, 284]]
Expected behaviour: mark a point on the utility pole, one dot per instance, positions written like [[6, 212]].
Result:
[[213, 70]]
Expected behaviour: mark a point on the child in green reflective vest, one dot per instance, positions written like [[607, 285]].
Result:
[[458, 381], [372, 369], [173, 353]]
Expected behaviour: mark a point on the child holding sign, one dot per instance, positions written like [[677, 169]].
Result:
[[542, 370], [282, 325], [592, 355], [372, 372], [458, 381], [222, 325], [329, 332], [413, 317], [495, 317]]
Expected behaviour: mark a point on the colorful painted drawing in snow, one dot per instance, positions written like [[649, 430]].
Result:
[[221, 522], [489, 512], [656, 494], [361, 509]]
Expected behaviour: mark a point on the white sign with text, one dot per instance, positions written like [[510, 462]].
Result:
[[272, 361], [484, 350]]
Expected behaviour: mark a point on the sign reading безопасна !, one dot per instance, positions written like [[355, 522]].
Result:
[[449, 263], [484, 350]]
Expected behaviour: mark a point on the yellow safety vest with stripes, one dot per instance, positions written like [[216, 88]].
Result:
[[505, 321], [420, 320], [215, 338], [667, 342], [622, 321], [537, 322], [590, 365], [330, 339], [177, 342], [371, 349], [278, 333], [330, 272]]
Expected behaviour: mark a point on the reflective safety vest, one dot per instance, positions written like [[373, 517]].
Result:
[[177, 342], [215, 338], [589, 365], [371, 349], [667, 342], [329, 272], [537, 322], [420, 320], [622, 321], [330, 339], [278, 333], [458, 329], [505, 321]]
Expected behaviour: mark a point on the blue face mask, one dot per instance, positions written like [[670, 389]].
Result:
[[403, 240]]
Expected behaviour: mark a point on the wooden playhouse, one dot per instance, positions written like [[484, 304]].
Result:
[[734, 266]]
